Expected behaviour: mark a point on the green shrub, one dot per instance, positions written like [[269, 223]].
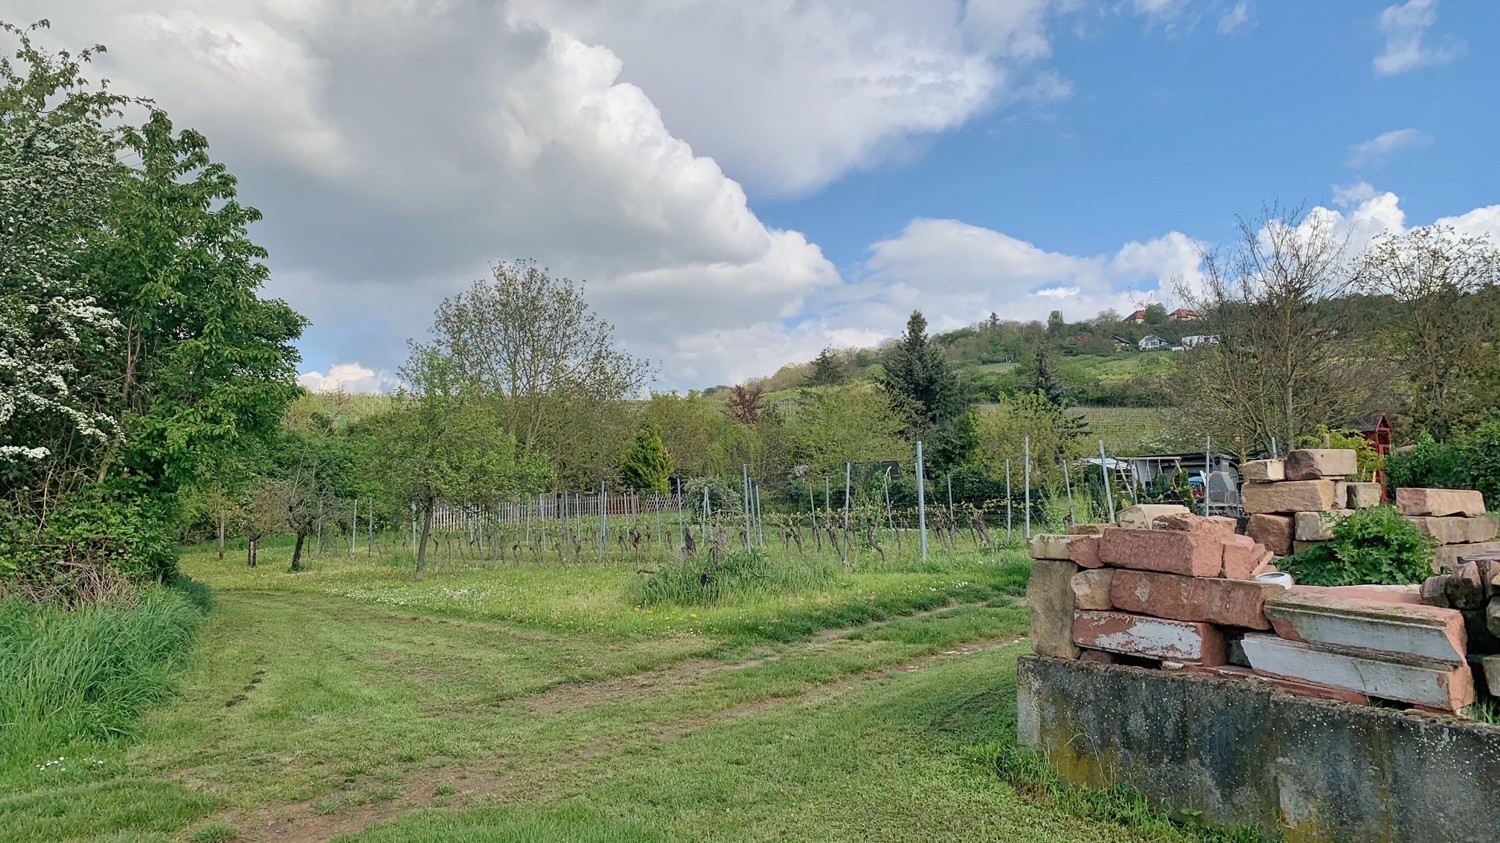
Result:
[[703, 580], [85, 676], [1370, 546], [1470, 460]]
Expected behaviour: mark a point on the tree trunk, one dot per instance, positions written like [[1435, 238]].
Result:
[[297, 551], [221, 534], [254, 545], [422, 545]]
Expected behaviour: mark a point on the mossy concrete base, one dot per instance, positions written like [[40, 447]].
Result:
[[1244, 755]]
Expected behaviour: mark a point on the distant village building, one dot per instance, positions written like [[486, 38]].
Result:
[[1151, 342], [1183, 314], [1137, 317], [1200, 339]]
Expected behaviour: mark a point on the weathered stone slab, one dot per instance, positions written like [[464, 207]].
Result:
[[1457, 529], [1187, 522], [1299, 546], [1362, 495], [1491, 667], [1136, 635], [1165, 551], [1084, 551], [1408, 594], [1290, 686], [1218, 601], [1492, 616], [1289, 497], [1317, 526], [1049, 545], [1315, 463], [1087, 529], [1263, 471], [1441, 685], [1273, 531], [1050, 593], [1143, 515], [1091, 589], [1439, 502], [1359, 623], [1450, 556], [1242, 556]]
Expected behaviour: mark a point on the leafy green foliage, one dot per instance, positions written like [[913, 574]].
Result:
[[647, 466], [1375, 546], [136, 353], [1470, 460]]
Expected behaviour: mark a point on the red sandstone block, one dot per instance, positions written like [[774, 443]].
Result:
[[1218, 601], [1136, 635], [1187, 522], [1242, 555], [1164, 551], [1356, 622], [1084, 551], [1444, 685]]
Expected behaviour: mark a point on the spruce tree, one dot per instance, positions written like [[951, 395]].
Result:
[[646, 464], [924, 390], [827, 369]]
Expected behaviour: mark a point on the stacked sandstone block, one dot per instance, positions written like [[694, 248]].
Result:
[[1473, 590], [1181, 595], [1294, 503], [1456, 518]]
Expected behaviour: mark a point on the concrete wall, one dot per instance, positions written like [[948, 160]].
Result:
[[1244, 756]]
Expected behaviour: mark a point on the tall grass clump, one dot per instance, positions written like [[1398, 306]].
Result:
[[712, 578], [86, 675]]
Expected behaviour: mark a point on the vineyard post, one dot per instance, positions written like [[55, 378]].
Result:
[[745, 486], [1068, 484], [603, 520], [921, 501], [1026, 455], [1008, 530], [885, 482], [848, 477], [370, 540], [354, 526], [1104, 471]]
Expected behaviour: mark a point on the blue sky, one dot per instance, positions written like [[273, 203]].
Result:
[[1185, 128], [744, 184]]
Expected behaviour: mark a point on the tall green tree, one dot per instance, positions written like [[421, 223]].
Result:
[[924, 391], [827, 369], [846, 424], [647, 466], [130, 274], [526, 341], [440, 444], [1444, 336]]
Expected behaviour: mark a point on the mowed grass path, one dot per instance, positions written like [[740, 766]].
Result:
[[536, 704]]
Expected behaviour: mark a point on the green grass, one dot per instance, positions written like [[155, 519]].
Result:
[[1135, 431], [73, 683], [540, 703]]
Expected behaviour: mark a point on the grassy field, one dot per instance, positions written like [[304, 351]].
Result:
[[524, 703]]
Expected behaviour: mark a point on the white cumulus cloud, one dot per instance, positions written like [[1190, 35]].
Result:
[[1405, 29], [348, 377], [1377, 150]]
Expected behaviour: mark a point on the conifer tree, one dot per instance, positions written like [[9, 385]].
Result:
[[647, 465], [827, 369]]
